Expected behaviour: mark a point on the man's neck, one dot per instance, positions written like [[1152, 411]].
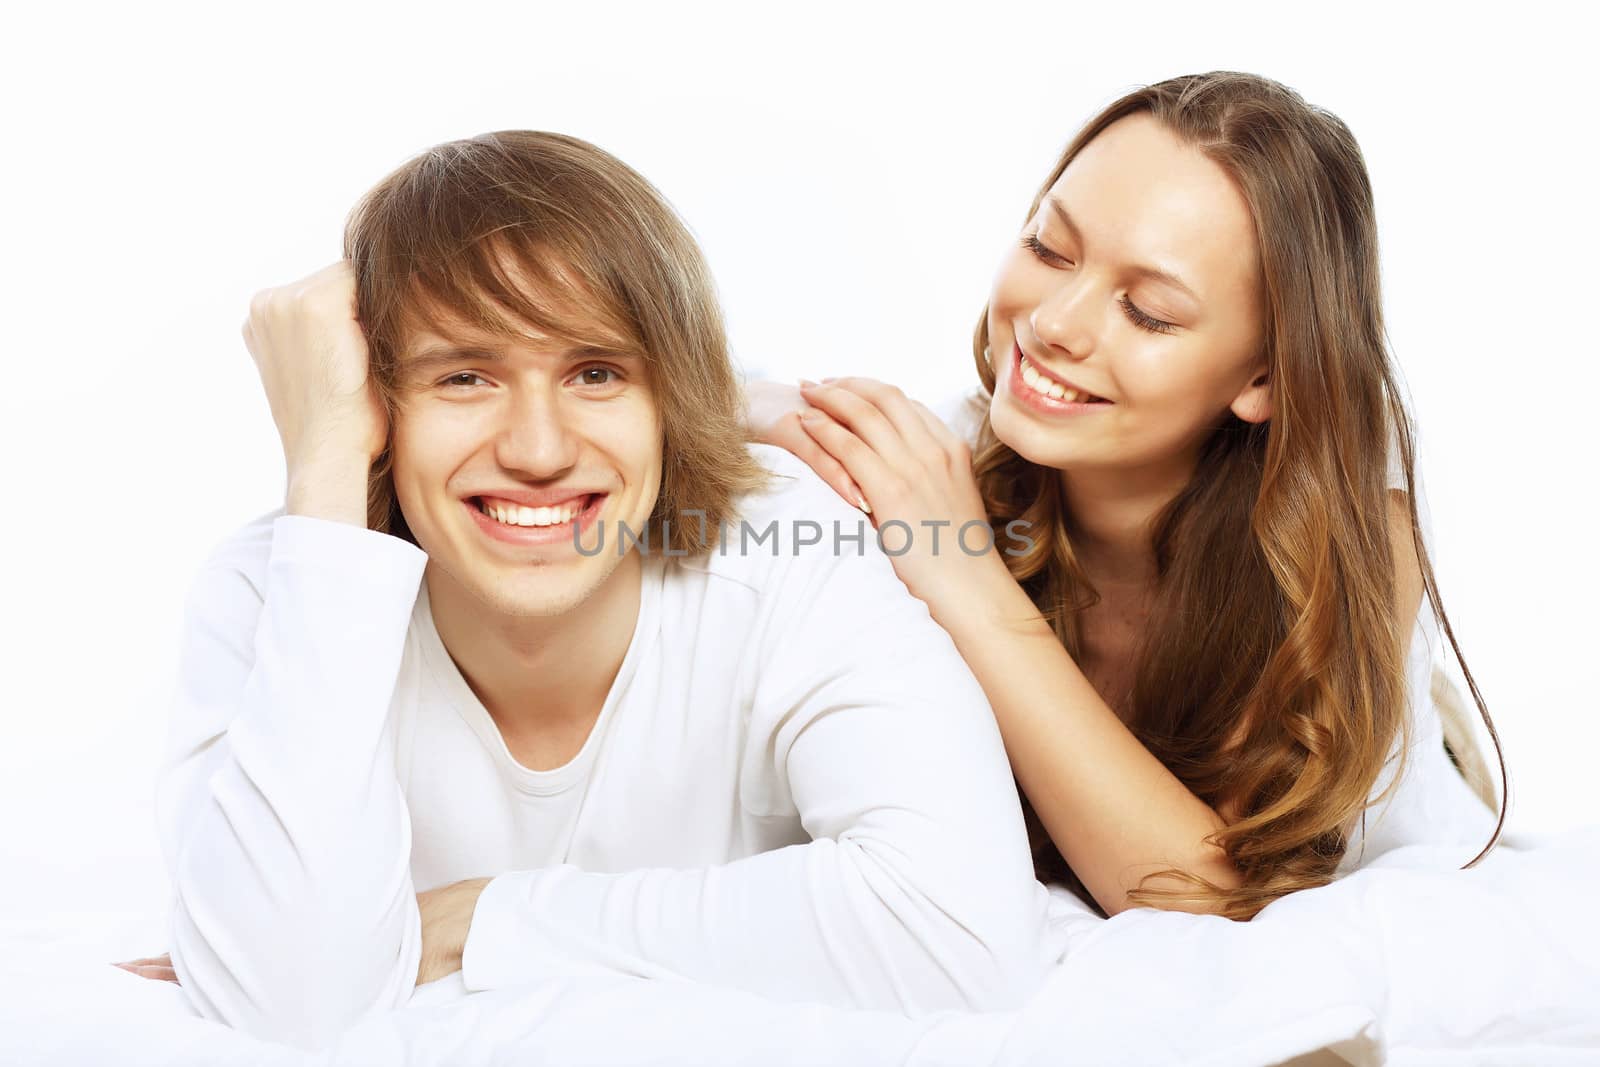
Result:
[[536, 672]]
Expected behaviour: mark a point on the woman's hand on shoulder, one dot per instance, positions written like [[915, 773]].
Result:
[[772, 417], [913, 471]]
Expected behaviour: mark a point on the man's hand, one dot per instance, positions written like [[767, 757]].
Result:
[[156, 967], [446, 918], [312, 354]]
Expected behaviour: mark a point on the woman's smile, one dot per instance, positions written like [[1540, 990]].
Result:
[[1041, 393]]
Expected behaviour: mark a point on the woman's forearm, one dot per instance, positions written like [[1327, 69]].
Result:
[[1112, 808]]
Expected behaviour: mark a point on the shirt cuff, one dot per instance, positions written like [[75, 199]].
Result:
[[494, 939], [366, 556], [547, 923]]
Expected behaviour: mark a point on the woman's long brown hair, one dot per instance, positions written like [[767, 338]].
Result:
[[1273, 623]]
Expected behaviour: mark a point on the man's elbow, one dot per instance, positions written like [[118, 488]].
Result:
[[302, 990], [993, 973], [991, 953]]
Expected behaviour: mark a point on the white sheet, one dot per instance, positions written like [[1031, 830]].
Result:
[[1406, 961]]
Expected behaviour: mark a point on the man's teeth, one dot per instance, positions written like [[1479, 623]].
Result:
[[517, 515], [1045, 387]]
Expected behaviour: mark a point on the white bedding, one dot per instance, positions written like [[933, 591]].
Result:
[[1404, 961]]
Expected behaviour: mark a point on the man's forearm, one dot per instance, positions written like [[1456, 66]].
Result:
[[332, 485], [916, 895], [446, 918], [286, 834]]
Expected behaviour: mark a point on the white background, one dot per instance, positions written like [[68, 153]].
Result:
[[854, 173]]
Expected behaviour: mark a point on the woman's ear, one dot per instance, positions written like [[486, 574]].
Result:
[[1254, 402]]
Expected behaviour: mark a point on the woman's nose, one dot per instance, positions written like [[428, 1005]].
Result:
[[1063, 319]]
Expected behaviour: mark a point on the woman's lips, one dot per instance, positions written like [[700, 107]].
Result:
[[1036, 401]]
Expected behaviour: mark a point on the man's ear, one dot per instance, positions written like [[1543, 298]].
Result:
[[1254, 402]]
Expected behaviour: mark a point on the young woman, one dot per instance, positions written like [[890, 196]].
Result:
[[1200, 661]]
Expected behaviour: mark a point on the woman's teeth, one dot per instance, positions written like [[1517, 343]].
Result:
[[1055, 390], [517, 515]]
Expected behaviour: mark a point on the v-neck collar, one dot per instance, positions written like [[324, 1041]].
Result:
[[476, 716]]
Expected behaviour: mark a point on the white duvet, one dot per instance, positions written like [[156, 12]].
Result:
[[1406, 960]]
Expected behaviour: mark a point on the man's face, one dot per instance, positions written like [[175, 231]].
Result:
[[502, 446]]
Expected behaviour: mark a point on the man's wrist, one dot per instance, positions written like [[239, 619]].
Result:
[[333, 487], [446, 915]]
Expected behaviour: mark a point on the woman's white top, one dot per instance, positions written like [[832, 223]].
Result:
[[1433, 803]]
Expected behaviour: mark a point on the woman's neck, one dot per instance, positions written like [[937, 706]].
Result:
[[1110, 515]]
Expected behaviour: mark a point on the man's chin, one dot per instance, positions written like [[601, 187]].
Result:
[[541, 591]]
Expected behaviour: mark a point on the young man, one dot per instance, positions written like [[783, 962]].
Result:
[[747, 758]]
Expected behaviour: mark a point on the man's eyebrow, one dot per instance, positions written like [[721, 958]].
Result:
[[1143, 270], [433, 356], [441, 355]]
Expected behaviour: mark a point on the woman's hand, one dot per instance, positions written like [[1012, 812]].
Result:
[[772, 417], [916, 474]]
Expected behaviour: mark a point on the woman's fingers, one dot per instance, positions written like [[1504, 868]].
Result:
[[898, 408], [921, 433], [959, 451], [828, 468], [863, 463], [771, 418], [862, 417]]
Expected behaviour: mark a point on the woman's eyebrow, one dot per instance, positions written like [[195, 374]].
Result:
[[1141, 269]]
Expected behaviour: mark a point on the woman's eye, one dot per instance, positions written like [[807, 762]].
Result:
[[1144, 321], [1031, 242]]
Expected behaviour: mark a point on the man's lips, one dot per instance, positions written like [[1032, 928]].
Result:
[[536, 525], [539, 498]]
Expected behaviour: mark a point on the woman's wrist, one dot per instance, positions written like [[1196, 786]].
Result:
[[981, 599]]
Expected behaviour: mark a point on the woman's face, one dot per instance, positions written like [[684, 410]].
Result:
[[1136, 281]]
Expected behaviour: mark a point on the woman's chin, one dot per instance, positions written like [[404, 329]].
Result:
[[1024, 436]]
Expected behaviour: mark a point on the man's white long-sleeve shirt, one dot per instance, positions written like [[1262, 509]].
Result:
[[795, 786]]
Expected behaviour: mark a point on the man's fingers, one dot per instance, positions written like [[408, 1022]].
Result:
[[154, 970], [165, 960]]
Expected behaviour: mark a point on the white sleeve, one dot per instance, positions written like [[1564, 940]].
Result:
[[962, 413], [917, 892], [282, 820], [1433, 804]]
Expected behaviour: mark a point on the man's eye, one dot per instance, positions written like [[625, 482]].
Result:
[[462, 380], [596, 376]]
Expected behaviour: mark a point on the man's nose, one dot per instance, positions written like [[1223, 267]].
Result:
[[536, 439]]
